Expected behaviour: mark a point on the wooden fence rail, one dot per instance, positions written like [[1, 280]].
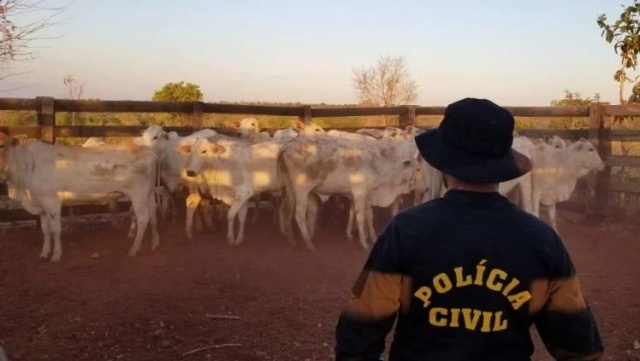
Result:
[[599, 131]]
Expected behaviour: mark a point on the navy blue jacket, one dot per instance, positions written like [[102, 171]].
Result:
[[465, 277]]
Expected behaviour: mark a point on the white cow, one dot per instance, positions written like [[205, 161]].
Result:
[[380, 196], [526, 147], [327, 165], [45, 176], [234, 171], [172, 174], [555, 173], [113, 203], [286, 133], [249, 128]]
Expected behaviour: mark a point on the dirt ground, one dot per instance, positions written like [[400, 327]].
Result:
[[97, 304]]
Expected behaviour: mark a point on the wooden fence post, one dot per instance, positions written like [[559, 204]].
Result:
[[409, 117], [599, 137], [306, 118], [196, 115], [46, 115]]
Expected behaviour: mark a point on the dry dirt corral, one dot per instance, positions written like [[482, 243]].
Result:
[[97, 304]]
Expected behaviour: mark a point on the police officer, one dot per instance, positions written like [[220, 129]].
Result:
[[466, 275]]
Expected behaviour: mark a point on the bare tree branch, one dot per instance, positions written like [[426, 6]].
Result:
[[388, 83], [18, 29]]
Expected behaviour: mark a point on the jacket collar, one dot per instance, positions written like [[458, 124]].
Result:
[[483, 199]]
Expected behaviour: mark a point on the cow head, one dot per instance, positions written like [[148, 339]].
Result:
[[307, 128], [401, 158], [556, 142], [153, 137], [6, 143], [247, 126], [202, 151], [412, 131], [585, 156]]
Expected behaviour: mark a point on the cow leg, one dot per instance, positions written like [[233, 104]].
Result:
[[46, 233], [153, 220], [525, 193], [287, 207], [301, 217], [275, 216], [369, 216], [132, 225], [239, 201], [55, 226], [206, 211], [350, 222], [142, 212], [360, 205], [552, 217], [113, 207], [172, 201], [164, 196], [312, 214], [242, 218], [192, 202], [256, 209], [395, 206], [417, 197], [536, 196]]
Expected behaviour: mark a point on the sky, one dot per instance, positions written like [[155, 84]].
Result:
[[516, 53]]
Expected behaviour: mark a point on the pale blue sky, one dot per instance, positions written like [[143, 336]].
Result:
[[511, 51]]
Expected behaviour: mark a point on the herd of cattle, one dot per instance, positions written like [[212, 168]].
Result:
[[299, 169]]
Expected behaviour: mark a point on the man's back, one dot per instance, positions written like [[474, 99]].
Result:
[[467, 275]]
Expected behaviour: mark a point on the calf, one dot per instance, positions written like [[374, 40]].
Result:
[[555, 173]]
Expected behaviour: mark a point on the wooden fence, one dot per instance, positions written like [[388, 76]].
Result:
[[599, 131]]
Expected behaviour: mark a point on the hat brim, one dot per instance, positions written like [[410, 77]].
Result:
[[470, 167]]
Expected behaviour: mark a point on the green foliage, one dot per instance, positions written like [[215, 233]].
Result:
[[178, 92], [572, 99], [624, 33]]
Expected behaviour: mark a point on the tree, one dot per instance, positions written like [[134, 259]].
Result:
[[624, 33], [178, 92], [572, 99], [75, 92], [388, 83], [19, 30]]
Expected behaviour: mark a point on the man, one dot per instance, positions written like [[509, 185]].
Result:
[[466, 275]]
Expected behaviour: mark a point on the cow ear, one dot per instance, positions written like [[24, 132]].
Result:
[[217, 149], [410, 130], [236, 124], [298, 125], [184, 148], [579, 145]]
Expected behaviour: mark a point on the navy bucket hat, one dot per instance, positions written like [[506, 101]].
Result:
[[473, 143]]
